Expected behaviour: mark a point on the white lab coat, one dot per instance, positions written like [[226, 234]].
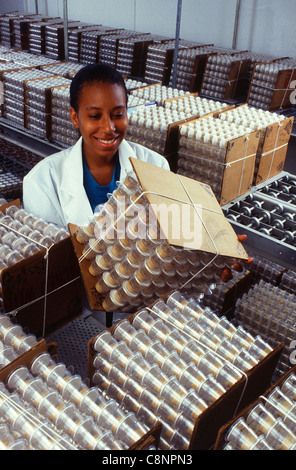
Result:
[[53, 190]]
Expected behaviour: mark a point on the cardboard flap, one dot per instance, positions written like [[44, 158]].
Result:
[[187, 211]]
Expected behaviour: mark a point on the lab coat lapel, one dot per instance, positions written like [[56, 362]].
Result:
[[74, 200], [125, 152]]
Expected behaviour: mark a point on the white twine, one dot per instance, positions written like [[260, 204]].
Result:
[[243, 167], [48, 432], [273, 155]]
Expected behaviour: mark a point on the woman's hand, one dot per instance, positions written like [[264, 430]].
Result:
[[226, 274]]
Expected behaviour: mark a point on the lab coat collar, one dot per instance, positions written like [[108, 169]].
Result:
[[74, 199], [72, 169], [72, 175], [125, 152]]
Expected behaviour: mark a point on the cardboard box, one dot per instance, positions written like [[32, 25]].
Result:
[[236, 398], [43, 293], [197, 72], [272, 150], [212, 233], [173, 132], [170, 146], [13, 102], [37, 37], [281, 92], [11, 67], [134, 61], [45, 116], [220, 441], [236, 176], [235, 81], [281, 96]]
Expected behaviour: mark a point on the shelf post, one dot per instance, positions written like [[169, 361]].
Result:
[[234, 40], [66, 30], [177, 40]]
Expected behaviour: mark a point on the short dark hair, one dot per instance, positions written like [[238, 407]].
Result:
[[94, 73]]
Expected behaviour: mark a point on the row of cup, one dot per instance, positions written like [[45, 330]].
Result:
[[7, 354], [220, 326], [216, 334], [148, 408], [129, 364], [103, 218], [13, 336], [188, 374], [269, 311], [79, 427], [207, 355], [270, 424], [10, 441], [65, 417], [115, 259], [115, 363], [267, 323], [113, 262], [89, 401], [140, 266], [34, 223], [19, 240], [176, 417]]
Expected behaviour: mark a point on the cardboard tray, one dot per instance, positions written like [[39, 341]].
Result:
[[220, 441], [215, 232], [24, 286], [234, 400], [27, 358]]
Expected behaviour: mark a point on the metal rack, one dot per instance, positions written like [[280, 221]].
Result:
[[267, 215]]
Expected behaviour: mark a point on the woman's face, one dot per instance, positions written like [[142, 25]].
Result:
[[101, 118]]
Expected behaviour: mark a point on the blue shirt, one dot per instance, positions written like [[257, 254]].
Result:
[[96, 193]]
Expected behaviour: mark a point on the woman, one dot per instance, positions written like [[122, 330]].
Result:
[[67, 186]]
